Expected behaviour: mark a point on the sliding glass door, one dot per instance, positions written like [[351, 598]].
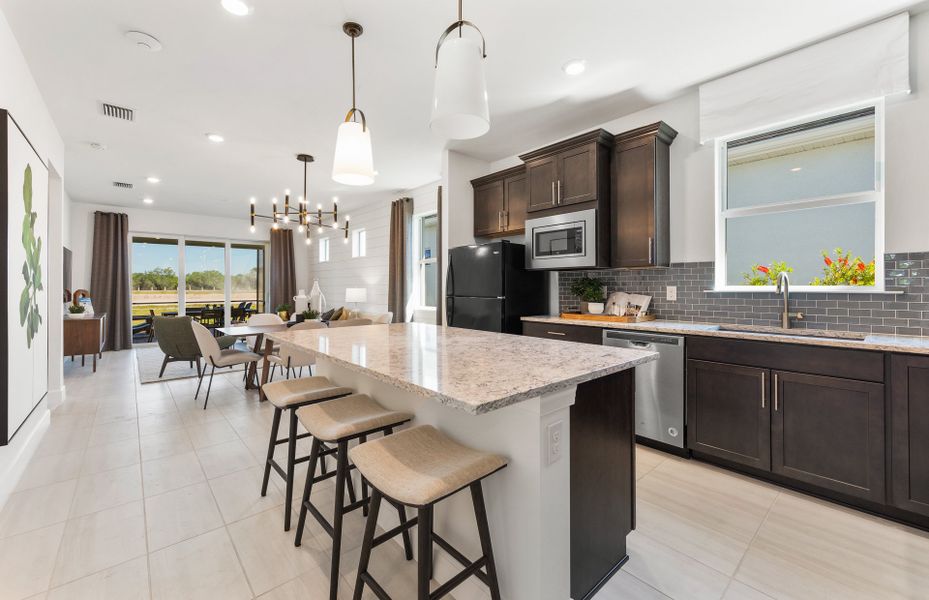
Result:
[[155, 269], [223, 281]]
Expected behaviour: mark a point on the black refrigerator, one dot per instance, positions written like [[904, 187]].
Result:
[[488, 288]]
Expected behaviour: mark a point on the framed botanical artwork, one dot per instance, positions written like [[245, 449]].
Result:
[[24, 277]]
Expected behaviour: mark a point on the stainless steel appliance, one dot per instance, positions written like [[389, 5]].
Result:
[[565, 241], [488, 288], [659, 385]]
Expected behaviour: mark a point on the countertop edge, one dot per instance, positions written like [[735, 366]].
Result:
[[873, 343], [452, 402]]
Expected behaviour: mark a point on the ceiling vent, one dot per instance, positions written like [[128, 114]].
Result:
[[122, 185], [118, 112]]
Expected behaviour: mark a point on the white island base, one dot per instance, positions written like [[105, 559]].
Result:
[[528, 502]]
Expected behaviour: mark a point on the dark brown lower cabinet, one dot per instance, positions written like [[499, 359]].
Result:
[[728, 413], [829, 432], [910, 433]]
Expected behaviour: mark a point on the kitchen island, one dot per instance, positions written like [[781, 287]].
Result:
[[561, 413]]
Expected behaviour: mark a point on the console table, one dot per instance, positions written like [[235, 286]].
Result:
[[85, 336]]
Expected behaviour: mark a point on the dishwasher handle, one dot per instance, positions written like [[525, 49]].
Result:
[[641, 339]]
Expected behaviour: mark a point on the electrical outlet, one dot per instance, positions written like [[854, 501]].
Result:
[[555, 444], [671, 293]]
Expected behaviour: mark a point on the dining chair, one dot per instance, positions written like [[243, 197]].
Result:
[[215, 357], [289, 360], [265, 319]]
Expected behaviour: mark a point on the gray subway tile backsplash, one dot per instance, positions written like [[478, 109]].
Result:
[[900, 314]]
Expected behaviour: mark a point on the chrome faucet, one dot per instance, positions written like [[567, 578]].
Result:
[[783, 286]]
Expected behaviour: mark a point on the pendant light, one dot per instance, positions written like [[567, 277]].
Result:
[[354, 162], [459, 104]]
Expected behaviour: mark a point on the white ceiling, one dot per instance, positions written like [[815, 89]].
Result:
[[277, 82]]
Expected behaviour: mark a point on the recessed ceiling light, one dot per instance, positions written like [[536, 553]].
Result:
[[795, 169], [153, 179], [574, 67], [97, 146], [237, 7], [215, 138], [147, 200]]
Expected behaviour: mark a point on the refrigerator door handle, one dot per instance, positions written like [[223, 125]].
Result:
[[449, 310]]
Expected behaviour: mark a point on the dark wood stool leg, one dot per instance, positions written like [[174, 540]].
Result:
[[367, 544], [307, 490], [407, 543], [424, 549], [480, 514], [291, 458], [364, 484], [341, 471], [275, 424]]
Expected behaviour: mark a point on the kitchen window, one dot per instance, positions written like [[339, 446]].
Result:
[[806, 198], [324, 250], [359, 243]]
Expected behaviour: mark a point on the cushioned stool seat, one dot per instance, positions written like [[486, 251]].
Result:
[[348, 416], [421, 465], [288, 392]]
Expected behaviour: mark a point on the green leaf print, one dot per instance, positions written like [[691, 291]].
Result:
[[29, 315]]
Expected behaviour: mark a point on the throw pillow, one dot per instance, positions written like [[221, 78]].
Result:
[[336, 314], [326, 316]]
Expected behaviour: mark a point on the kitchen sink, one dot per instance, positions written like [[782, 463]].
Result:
[[817, 333]]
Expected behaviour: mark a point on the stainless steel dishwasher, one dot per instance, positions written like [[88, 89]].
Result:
[[659, 385]]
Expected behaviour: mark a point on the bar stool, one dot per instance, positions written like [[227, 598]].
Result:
[[339, 422], [291, 394], [420, 467]]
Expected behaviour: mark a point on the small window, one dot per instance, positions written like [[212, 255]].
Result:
[[324, 250], [427, 261], [807, 199], [359, 243]]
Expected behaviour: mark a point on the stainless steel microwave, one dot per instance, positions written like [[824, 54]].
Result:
[[565, 241]]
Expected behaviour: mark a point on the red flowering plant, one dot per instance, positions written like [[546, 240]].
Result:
[[842, 269], [766, 275]]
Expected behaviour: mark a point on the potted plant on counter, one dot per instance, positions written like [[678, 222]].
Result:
[[76, 311], [283, 311], [591, 292]]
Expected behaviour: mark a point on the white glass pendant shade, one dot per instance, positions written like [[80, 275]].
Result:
[[459, 109], [354, 159]]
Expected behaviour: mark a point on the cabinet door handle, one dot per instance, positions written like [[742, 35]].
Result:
[[506, 219], [559, 192], [650, 253], [763, 392], [775, 392], [555, 333], [553, 194], [499, 219]]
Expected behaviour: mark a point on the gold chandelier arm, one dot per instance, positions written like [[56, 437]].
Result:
[[456, 25]]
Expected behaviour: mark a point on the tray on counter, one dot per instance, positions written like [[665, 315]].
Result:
[[613, 318]]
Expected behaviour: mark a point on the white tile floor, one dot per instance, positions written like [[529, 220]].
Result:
[[136, 492]]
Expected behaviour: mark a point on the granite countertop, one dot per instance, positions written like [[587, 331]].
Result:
[[474, 371], [881, 343]]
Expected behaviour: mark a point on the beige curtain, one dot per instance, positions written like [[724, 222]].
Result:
[[283, 273], [109, 277], [399, 272]]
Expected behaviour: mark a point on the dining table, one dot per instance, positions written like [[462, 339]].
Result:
[[252, 331]]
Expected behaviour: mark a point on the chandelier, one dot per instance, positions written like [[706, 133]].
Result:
[[304, 218]]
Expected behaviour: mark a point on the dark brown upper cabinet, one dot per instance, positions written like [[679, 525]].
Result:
[[573, 171], [909, 447], [641, 197], [500, 201]]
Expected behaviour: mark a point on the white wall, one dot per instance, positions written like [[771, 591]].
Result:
[[144, 220], [692, 168], [20, 95], [342, 271]]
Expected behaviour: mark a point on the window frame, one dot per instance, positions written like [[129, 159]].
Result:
[[420, 262], [876, 196], [359, 243], [323, 243]]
